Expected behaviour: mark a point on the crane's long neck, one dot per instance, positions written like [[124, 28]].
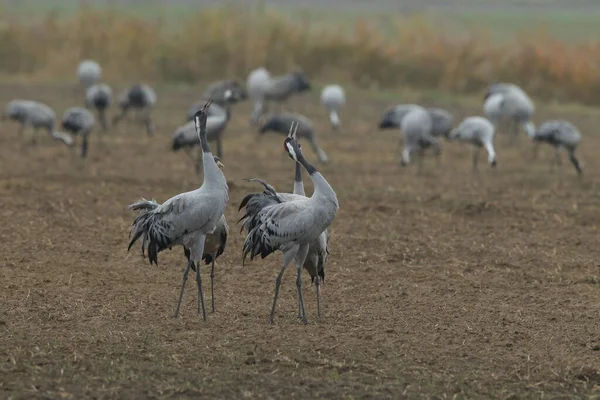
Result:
[[322, 188], [213, 176], [298, 184]]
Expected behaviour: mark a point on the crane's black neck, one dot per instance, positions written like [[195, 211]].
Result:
[[309, 168], [203, 141]]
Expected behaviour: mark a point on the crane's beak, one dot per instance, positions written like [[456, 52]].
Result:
[[207, 105], [220, 164]]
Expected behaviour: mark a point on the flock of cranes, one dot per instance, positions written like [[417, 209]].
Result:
[[292, 223]]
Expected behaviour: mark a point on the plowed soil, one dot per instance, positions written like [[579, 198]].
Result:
[[441, 284]]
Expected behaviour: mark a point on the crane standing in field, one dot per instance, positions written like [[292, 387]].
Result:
[[99, 97], [223, 93], [140, 97], [318, 249], [257, 84], [187, 218], [282, 123], [89, 73], [185, 136], [560, 134], [509, 101], [416, 125], [333, 98], [80, 122], [37, 116], [480, 133], [290, 226]]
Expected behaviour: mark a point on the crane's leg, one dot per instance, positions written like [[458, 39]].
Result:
[[148, 122], [318, 289], [535, 147], [212, 284], [300, 259], [575, 162], [197, 251], [102, 118], [117, 118], [185, 277], [84, 145], [515, 135], [557, 155], [288, 256]]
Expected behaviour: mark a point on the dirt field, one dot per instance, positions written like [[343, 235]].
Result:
[[438, 285]]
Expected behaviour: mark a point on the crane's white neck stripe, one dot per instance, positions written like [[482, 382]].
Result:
[[291, 151]]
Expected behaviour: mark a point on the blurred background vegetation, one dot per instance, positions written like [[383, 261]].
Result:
[[549, 47]]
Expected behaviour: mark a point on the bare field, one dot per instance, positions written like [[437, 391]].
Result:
[[438, 286]]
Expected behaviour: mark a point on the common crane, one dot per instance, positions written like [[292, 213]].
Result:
[[80, 122], [282, 123], [99, 97], [333, 98], [140, 97], [480, 133], [187, 218], [560, 134], [290, 226]]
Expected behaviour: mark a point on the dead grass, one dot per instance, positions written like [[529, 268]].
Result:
[[229, 42]]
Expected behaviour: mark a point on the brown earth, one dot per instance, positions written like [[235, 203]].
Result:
[[439, 285]]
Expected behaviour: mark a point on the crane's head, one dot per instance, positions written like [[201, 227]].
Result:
[[291, 145], [201, 115]]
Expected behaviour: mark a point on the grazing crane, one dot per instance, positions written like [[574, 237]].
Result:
[[282, 123], [187, 218], [416, 125], [36, 115], [185, 136], [317, 250], [290, 226], [99, 97], [257, 84], [89, 73], [442, 121], [480, 133], [80, 122], [140, 97], [333, 98], [509, 101], [560, 134], [223, 94]]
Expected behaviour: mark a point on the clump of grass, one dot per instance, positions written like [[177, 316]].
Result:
[[227, 42]]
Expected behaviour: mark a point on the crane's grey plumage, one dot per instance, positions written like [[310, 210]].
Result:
[[276, 89], [416, 125], [214, 245], [560, 134], [333, 98], [480, 133], [416, 129], [290, 226], [99, 97], [140, 97], [509, 101], [185, 137], [442, 121], [281, 123], [223, 93], [317, 250], [89, 73], [80, 122], [35, 115], [187, 218], [256, 84]]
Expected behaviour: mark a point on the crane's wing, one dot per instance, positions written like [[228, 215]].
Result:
[[164, 226], [278, 225]]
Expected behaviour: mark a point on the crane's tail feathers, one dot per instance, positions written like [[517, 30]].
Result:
[[144, 205], [153, 230]]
